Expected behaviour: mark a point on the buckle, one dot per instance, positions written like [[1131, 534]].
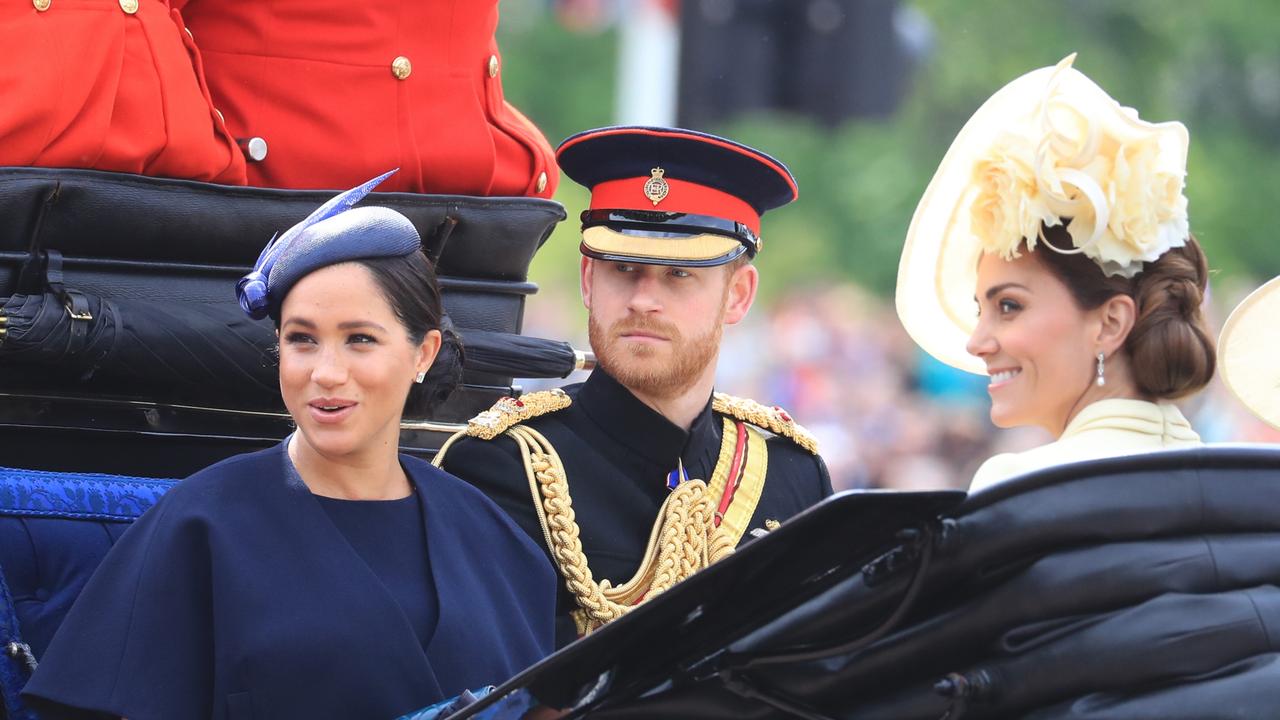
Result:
[[77, 314], [77, 310]]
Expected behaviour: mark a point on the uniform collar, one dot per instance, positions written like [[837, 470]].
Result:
[[641, 428]]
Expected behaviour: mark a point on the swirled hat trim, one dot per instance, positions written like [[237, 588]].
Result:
[[1051, 147]]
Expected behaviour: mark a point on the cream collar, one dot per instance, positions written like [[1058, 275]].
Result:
[[1162, 420]]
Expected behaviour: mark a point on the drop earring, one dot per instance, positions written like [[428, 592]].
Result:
[[420, 377], [1102, 377]]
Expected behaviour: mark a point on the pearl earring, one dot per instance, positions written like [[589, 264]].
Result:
[[420, 377], [1102, 377]]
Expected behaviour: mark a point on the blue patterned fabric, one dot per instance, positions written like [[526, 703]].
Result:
[[54, 530], [14, 672], [79, 496], [511, 707]]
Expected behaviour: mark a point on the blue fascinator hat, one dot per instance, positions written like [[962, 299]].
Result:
[[335, 233]]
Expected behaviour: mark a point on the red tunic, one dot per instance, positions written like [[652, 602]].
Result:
[[109, 85], [342, 91]]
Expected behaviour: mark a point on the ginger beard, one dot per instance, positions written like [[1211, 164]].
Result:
[[654, 370]]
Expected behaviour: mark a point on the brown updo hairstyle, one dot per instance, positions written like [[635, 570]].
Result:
[[1170, 349]]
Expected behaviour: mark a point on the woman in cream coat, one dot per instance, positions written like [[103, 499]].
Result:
[[1052, 253]]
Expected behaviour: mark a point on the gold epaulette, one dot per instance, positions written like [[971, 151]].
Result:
[[774, 419], [511, 411]]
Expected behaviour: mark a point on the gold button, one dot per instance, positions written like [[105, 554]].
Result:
[[41, 5], [542, 182], [129, 6], [493, 66], [401, 67]]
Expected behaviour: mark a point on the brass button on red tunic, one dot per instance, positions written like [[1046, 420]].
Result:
[[311, 77], [130, 97]]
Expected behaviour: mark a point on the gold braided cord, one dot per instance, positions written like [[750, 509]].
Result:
[[509, 411], [685, 537], [683, 541], [438, 460], [504, 413]]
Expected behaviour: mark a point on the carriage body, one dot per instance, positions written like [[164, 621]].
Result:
[[1108, 588]]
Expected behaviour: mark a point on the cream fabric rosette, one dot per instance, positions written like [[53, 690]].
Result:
[[1049, 147], [1249, 353]]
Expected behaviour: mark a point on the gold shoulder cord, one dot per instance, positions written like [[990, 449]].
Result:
[[774, 419], [685, 538]]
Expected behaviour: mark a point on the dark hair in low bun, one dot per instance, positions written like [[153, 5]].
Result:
[[1171, 351], [442, 379], [410, 285]]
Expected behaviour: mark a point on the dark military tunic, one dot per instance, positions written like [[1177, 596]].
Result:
[[617, 452]]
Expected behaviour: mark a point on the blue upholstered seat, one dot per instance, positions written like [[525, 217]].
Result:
[[55, 528]]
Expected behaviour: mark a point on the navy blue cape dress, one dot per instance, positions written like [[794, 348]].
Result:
[[237, 597]]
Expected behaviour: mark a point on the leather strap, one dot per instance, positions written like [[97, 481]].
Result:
[[76, 304]]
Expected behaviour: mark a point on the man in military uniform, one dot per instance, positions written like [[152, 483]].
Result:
[[643, 475]]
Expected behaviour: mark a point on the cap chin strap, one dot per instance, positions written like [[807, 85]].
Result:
[[670, 224], [676, 262]]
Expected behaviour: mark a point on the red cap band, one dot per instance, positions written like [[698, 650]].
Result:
[[682, 197]]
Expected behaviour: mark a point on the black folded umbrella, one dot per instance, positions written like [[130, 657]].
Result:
[[188, 350], [173, 350], [521, 356]]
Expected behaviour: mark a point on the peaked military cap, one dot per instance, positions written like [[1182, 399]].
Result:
[[667, 196]]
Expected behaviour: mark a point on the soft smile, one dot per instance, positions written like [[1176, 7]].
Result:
[[1000, 377], [331, 410]]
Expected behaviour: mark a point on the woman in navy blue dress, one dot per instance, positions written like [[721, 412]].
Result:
[[328, 576]]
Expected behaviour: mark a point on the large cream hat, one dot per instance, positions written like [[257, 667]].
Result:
[[1049, 147], [1249, 354]]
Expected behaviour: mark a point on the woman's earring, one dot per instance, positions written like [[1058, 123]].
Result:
[[423, 376], [1102, 377]]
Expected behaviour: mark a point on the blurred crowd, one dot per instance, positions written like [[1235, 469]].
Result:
[[886, 414]]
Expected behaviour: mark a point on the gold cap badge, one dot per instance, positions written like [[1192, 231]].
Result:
[[656, 188]]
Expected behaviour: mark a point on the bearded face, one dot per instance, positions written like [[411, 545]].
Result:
[[654, 357], [657, 329]]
